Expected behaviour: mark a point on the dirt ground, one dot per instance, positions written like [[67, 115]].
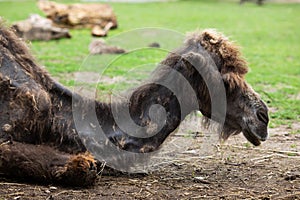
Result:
[[203, 170]]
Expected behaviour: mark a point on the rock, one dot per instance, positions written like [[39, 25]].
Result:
[[7, 128], [100, 47], [154, 45]]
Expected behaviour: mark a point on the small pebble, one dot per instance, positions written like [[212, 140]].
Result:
[[154, 45], [7, 128], [53, 188], [47, 191], [200, 179]]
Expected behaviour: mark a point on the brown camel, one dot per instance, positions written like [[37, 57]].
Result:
[[39, 138]]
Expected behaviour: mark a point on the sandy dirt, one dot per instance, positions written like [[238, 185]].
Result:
[[204, 169]]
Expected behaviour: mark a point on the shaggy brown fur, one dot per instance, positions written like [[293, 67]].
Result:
[[226, 55], [37, 128]]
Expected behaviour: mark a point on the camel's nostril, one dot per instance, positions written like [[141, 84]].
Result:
[[263, 139], [262, 116]]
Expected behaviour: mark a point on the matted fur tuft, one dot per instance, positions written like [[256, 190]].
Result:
[[225, 53], [216, 43]]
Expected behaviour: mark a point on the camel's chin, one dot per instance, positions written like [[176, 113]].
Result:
[[251, 137]]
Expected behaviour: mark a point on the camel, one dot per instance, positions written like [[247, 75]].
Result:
[[39, 139]]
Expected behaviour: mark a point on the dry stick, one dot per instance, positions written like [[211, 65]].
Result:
[[149, 191], [17, 184], [263, 157], [65, 191], [16, 193], [101, 171], [268, 150], [4, 143]]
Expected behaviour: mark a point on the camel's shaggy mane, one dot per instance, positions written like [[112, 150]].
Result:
[[225, 53]]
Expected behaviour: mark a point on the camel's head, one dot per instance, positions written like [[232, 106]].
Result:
[[246, 112]]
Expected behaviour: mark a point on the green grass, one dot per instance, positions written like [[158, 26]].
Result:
[[268, 35]]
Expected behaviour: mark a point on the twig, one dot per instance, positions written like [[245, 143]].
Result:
[[149, 190], [17, 184], [262, 158], [4, 143], [286, 152], [16, 193], [294, 153], [101, 171], [65, 191]]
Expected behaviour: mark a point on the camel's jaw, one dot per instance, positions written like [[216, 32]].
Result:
[[254, 138], [255, 130]]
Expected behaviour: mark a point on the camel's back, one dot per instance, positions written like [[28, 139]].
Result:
[[24, 98], [15, 54]]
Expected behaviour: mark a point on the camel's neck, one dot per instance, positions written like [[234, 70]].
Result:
[[152, 113], [142, 124]]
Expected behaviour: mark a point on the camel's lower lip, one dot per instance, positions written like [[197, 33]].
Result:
[[251, 137]]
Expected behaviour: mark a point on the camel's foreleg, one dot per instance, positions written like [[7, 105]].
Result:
[[45, 164]]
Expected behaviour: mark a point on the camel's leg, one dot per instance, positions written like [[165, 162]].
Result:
[[45, 164]]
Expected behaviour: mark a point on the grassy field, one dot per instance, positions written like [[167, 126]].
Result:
[[268, 35]]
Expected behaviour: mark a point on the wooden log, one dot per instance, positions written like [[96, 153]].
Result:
[[78, 15], [39, 28]]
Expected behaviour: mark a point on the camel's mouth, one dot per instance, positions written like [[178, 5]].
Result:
[[252, 137]]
